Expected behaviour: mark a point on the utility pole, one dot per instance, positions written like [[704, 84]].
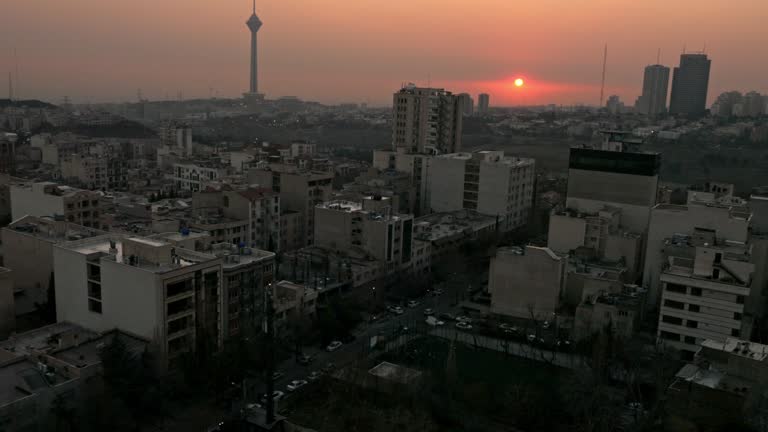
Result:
[[269, 330], [602, 82]]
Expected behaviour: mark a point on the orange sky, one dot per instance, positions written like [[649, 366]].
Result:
[[362, 50]]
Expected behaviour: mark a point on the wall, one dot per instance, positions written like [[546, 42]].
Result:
[[566, 233], [446, 184], [25, 201], [7, 309], [523, 284], [31, 260]]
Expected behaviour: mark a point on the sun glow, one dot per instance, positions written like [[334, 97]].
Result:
[[519, 82]]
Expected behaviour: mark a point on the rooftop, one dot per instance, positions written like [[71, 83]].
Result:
[[738, 347], [440, 225]]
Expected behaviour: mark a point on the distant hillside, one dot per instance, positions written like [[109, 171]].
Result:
[[123, 129], [31, 103]]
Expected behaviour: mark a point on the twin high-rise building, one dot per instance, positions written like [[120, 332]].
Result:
[[689, 85], [467, 104], [482, 103], [653, 101], [426, 120]]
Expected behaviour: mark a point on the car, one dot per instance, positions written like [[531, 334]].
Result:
[[437, 292], [276, 375], [398, 310], [333, 346], [461, 325], [447, 317], [314, 376], [464, 319], [412, 303], [431, 320], [295, 385], [531, 337], [329, 367], [276, 396], [305, 359], [545, 325], [429, 311]]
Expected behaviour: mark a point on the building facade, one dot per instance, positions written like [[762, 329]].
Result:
[[426, 120], [77, 206], [690, 82], [487, 182], [653, 101]]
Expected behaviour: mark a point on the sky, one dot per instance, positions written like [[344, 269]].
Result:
[[336, 51]]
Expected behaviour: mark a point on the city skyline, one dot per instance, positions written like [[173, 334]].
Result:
[[559, 59]]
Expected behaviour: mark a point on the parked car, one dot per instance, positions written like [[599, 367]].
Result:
[[397, 310], [412, 303], [305, 359], [531, 338], [329, 367], [461, 325], [434, 322], [314, 376], [464, 319], [428, 312], [545, 325], [437, 292], [276, 396], [333, 346], [447, 317], [295, 385], [276, 375]]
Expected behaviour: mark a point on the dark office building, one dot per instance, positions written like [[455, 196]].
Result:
[[689, 85]]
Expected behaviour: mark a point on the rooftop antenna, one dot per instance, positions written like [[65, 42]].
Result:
[[429, 80], [658, 56], [602, 83], [704, 51], [683, 48], [10, 86], [254, 7], [16, 80]]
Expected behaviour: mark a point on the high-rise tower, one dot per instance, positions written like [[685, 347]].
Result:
[[653, 101], [689, 85], [254, 24]]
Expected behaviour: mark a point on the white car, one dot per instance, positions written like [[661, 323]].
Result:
[[295, 385], [314, 376], [434, 322], [276, 396], [461, 325], [545, 325], [531, 337], [333, 346], [429, 311], [397, 310], [413, 303]]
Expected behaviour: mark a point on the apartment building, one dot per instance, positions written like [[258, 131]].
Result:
[[291, 300], [171, 296], [7, 303], [370, 225], [258, 208], [299, 190], [195, 176], [77, 206], [303, 149], [706, 283], [426, 120], [487, 182], [417, 167], [28, 251]]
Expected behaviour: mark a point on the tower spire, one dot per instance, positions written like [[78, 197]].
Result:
[[254, 7]]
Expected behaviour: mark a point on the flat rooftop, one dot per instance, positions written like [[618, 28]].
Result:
[[51, 230]]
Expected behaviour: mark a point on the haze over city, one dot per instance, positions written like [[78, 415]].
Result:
[[358, 51]]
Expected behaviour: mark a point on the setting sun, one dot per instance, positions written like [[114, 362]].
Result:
[[519, 82]]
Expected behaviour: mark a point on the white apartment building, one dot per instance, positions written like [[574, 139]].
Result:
[[426, 120], [705, 284], [77, 206], [90, 171], [487, 182], [303, 149], [730, 224], [194, 176], [149, 288], [370, 226], [526, 283]]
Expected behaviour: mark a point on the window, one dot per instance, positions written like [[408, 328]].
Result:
[[674, 304], [94, 306], [718, 258], [740, 299], [696, 292], [672, 320], [737, 316], [180, 287], [690, 340], [681, 289], [669, 335], [94, 290], [178, 306], [692, 324], [693, 308], [178, 325], [736, 333]]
